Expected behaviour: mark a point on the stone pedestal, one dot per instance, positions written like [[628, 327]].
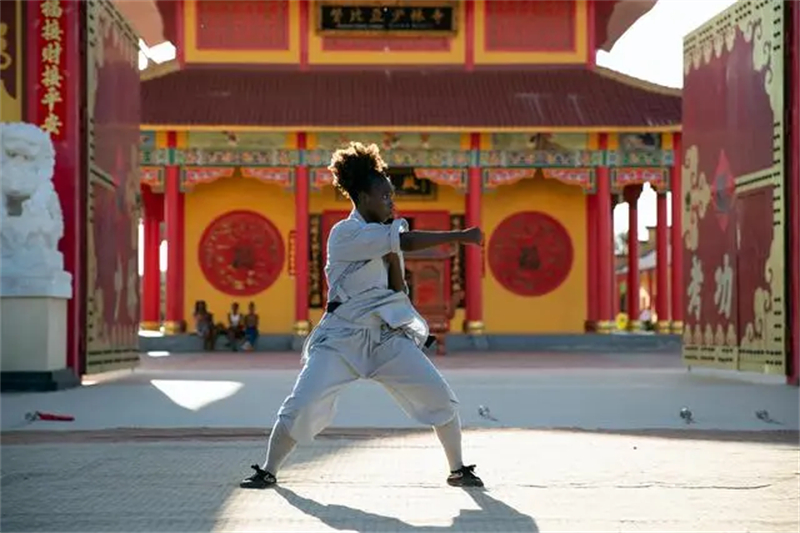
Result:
[[33, 344]]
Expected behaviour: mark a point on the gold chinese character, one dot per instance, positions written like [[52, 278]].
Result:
[[336, 15], [377, 15], [51, 8], [51, 30], [5, 57], [355, 15], [51, 77], [438, 16], [52, 52], [398, 14], [51, 98], [417, 15], [52, 124]]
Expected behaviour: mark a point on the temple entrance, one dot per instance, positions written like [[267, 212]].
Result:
[[427, 272]]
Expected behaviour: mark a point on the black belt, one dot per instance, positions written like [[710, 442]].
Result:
[[333, 306]]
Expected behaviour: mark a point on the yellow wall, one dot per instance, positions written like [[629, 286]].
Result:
[[563, 310], [207, 202]]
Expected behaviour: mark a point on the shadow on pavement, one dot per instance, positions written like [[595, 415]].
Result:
[[493, 513]]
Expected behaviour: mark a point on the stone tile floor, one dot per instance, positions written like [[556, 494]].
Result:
[[394, 481]]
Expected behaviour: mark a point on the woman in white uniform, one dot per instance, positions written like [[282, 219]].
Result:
[[370, 329]]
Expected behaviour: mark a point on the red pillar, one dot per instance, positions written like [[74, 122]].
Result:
[[151, 279], [591, 40], [61, 117], [173, 218], [304, 24], [605, 248], [473, 255], [469, 25], [301, 324], [676, 238], [632, 193], [591, 266], [662, 265], [793, 190]]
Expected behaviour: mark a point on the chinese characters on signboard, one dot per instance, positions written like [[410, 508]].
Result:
[[51, 33], [413, 18]]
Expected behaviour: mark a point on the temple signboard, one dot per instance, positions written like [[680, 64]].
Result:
[[335, 18]]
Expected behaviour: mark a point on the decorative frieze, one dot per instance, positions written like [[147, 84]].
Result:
[[658, 178], [540, 158], [640, 158], [153, 177], [582, 177]]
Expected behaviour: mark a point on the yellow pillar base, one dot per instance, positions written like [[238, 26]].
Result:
[[677, 327], [302, 328], [635, 325], [605, 326], [150, 326], [173, 327], [475, 327], [663, 326]]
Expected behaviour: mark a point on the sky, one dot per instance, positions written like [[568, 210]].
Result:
[[652, 50]]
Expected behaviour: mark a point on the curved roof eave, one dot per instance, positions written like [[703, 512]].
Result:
[[618, 19]]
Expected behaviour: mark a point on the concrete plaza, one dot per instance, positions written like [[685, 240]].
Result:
[[582, 443]]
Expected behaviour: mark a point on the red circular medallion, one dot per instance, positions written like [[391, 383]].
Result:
[[530, 253], [241, 253]]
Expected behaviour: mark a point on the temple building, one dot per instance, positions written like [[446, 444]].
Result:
[[489, 113]]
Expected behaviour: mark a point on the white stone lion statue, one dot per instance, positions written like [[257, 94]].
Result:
[[31, 222]]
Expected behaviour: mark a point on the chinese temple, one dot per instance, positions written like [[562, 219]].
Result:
[[489, 113]]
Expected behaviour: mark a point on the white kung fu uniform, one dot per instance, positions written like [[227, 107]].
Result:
[[375, 334]]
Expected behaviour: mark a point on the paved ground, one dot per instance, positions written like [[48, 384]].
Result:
[[536, 481], [523, 391], [162, 449]]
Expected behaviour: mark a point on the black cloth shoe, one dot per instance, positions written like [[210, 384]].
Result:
[[464, 477], [260, 480]]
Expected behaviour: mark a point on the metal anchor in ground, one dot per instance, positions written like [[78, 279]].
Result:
[[687, 416], [764, 416], [484, 412]]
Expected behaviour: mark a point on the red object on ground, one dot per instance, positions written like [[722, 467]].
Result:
[[38, 415]]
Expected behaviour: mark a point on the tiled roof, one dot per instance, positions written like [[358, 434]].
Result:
[[555, 97]]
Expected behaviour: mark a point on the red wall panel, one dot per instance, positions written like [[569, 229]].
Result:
[[520, 26], [243, 25]]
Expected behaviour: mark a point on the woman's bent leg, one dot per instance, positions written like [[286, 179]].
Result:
[[281, 444], [309, 408], [423, 394]]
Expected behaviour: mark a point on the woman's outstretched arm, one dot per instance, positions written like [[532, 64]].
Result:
[[412, 241]]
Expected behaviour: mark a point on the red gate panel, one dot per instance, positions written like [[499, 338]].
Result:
[[113, 137], [733, 181]]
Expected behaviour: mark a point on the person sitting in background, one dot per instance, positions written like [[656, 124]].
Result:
[[204, 325], [646, 319], [250, 327], [235, 326]]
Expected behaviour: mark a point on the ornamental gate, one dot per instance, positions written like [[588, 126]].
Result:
[[734, 206]]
